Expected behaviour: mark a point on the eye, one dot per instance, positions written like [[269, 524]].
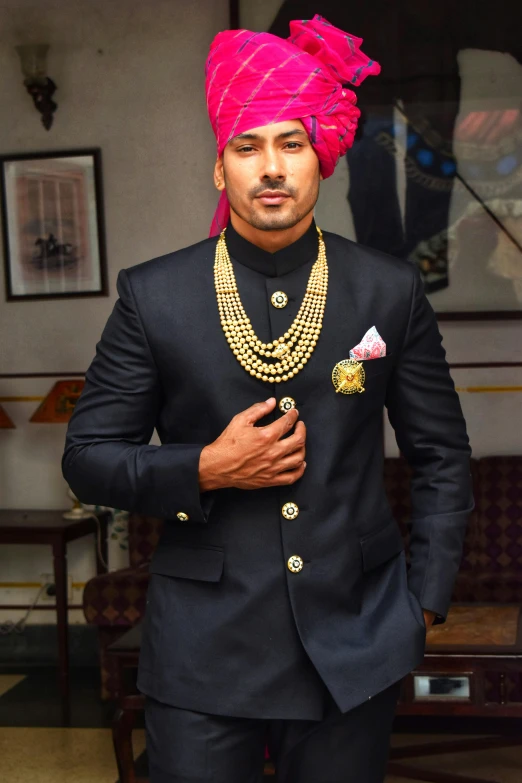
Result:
[[294, 145], [248, 148]]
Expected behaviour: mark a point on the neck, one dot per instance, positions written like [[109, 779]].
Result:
[[271, 241]]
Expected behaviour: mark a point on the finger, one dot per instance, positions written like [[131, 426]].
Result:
[[289, 477], [291, 462], [294, 442], [280, 426], [257, 411]]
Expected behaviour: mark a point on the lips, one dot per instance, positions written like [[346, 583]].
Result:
[[272, 198]]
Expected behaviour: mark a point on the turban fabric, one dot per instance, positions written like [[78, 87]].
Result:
[[255, 79]]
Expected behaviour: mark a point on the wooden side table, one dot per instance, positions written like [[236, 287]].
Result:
[[476, 640], [49, 527]]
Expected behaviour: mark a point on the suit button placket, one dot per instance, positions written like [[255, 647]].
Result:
[[281, 319]]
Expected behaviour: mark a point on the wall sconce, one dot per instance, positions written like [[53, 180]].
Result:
[[39, 86]]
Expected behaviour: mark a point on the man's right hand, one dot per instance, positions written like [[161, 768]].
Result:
[[249, 457]]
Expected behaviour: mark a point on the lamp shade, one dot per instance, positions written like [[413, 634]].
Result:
[[59, 404], [33, 59], [6, 422]]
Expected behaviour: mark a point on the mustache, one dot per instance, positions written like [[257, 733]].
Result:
[[272, 185]]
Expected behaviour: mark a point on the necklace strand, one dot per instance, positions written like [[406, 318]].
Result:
[[294, 348]]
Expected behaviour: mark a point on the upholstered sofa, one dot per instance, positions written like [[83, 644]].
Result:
[[491, 567]]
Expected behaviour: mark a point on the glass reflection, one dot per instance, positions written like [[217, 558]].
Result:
[[441, 687]]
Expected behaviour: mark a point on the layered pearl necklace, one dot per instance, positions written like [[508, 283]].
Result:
[[293, 349]]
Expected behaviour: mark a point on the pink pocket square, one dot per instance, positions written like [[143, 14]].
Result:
[[372, 346]]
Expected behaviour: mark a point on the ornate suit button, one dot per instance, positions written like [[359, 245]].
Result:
[[290, 510], [286, 404], [182, 516], [279, 299], [295, 564]]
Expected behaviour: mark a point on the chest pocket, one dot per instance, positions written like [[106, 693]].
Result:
[[188, 561]]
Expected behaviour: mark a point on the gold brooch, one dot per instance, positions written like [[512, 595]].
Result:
[[348, 376]]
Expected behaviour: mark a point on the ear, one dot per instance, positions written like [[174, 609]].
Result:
[[219, 174]]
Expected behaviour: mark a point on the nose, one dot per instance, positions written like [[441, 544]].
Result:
[[273, 166]]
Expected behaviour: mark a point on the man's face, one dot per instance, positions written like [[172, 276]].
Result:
[[271, 175]]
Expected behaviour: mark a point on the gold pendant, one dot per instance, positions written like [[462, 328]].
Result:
[[281, 350], [348, 376]]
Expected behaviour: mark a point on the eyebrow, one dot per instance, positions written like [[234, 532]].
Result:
[[257, 137]]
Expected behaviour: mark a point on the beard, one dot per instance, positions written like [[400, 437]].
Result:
[[273, 217]]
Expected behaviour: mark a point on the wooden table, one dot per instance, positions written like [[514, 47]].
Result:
[[475, 639], [49, 527]]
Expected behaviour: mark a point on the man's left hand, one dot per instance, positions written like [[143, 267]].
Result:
[[429, 617]]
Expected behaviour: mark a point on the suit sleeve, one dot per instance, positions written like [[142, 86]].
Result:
[[424, 410], [107, 458]]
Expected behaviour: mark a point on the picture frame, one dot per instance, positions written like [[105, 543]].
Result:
[[53, 225], [462, 185]]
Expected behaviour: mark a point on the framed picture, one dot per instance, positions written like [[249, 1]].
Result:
[[436, 182], [52, 223]]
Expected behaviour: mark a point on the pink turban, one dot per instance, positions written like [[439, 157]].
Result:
[[255, 79]]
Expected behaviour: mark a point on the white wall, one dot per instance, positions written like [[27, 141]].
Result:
[[130, 79]]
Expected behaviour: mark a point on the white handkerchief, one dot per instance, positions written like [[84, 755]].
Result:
[[372, 346]]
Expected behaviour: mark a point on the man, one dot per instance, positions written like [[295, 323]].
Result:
[[280, 608]]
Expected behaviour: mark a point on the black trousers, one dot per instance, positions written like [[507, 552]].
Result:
[[351, 747]]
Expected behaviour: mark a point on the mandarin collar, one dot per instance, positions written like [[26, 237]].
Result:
[[273, 264]]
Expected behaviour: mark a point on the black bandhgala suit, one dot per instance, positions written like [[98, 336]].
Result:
[[236, 647]]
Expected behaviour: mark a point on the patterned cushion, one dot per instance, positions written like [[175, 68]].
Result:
[[116, 598], [144, 533], [499, 537]]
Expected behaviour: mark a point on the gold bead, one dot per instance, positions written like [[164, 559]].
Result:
[[238, 330]]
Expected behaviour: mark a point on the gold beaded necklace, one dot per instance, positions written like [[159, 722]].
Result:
[[303, 334]]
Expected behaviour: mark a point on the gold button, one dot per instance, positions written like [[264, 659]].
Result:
[[286, 404], [182, 516], [295, 564], [279, 299], [290, 510]]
